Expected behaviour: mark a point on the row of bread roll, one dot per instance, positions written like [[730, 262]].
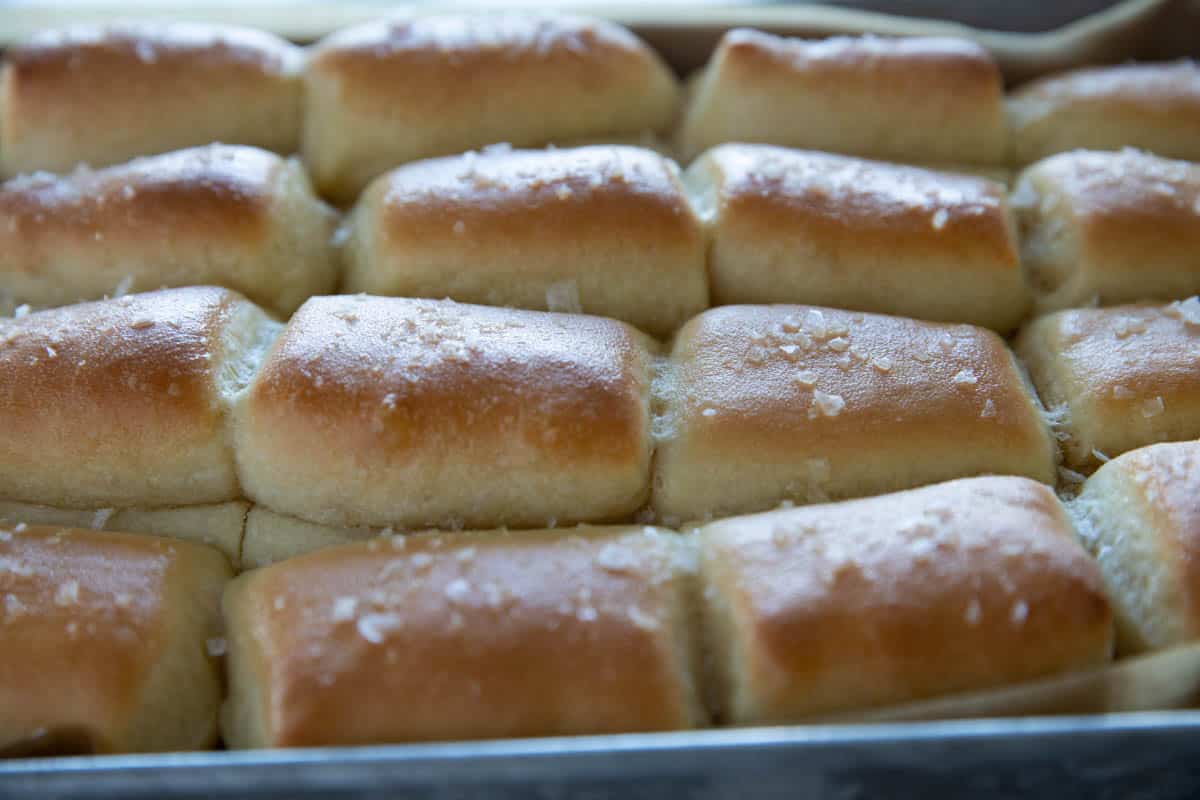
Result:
[[965, 585], [359, 102], [618, 231], [374, 412], [165, 411], [930, 101], [369, 98]]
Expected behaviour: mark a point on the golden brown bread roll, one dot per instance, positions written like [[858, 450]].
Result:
[[104, 94], [218, 525], [384, 93], [1154, 107], [928, 101], [598, 230], [1109, 228], [965, 585], [463, 636], [1139, 515], [1117, 378], [122, 403], [795, 226], [229, 216], [109, 636], [421, 413], [770, 403]]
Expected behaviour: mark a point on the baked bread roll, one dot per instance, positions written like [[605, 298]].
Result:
[[271, 537], [228, 216], [1154, 107], [771, 403], [218, 525], [1139, 515], [105, 637], [1117, 378], [421, 413], [123, 403], [384, 93], [795, 226], [464, 636], [104, 94], [598, 230], [965, 585], [1109, 228], [928, 101]]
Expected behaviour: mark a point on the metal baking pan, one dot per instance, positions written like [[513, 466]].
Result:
[[1153, 755]]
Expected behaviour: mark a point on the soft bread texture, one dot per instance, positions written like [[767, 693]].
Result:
[[598, 230], [463, 636], [106, 636], [123, 403], [100, 95], [220, 215], [1109, 228], [218, 525], [965, 585], [1139, 515], [272, 537], [795, 226], [1154, 107], [928, 101], [422, 413], [763, 404], [384, 93], [1117, 378]]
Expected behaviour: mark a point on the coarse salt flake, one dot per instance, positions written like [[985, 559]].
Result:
[[344, 608], [829, 405], [67, 594], [1152, 407], [965, 377], [374, 627]]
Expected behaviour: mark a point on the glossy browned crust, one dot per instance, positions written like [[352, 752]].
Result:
[[1110, 228], [773, 403], [922, 100], [1155, 107], [609, 226], [463, 636], [1127, 376], [223, 215], [104, 94], [795, 226], [965, 585], [104, 634], [388, 92], [121, 403], [394, 411]]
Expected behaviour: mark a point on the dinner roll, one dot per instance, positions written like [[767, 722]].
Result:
[[1139, 515], [1155, 107], [602, 230], [466, 636], [229, 216], [394, 411], [965, 585], [105, 636], [218, 525], [122, 403], [388, 92], [915, 100], [271, 537], [764, 404], [1109, 228], [795, 226], [104, 94], [1117, 378]]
